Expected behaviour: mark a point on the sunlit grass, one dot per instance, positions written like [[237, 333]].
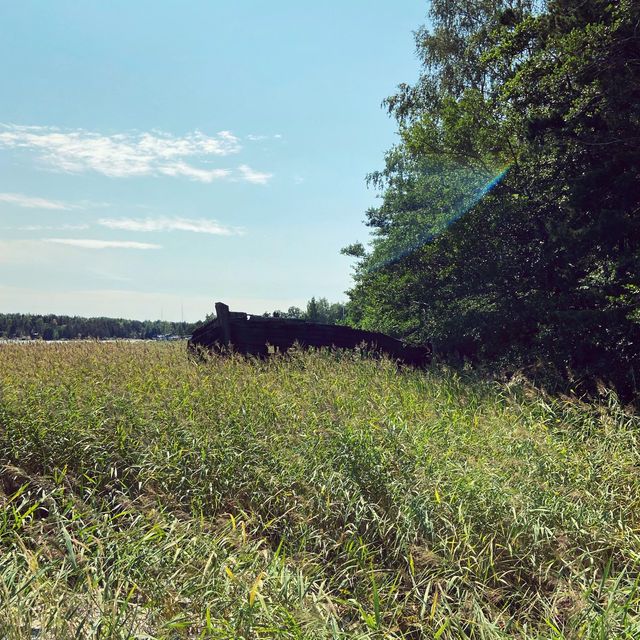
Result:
[[146, 494]]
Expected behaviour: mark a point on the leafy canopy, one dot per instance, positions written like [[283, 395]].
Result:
[[508, 227]]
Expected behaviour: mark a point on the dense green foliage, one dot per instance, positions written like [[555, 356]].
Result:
[[144, 495], [54, 327], [509, 228]]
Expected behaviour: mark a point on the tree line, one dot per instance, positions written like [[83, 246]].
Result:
[[509, 229], [56, 327], [317, 310]]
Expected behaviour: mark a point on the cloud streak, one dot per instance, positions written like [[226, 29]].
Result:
[[128, 154], [87, 243], [194, 225], [250, 175], [44, 227], [194, 173], [259, 137], [29, 202]]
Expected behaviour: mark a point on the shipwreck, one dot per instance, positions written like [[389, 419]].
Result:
[[259, 336]]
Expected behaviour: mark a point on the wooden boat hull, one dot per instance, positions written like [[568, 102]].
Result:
[[253, 335]]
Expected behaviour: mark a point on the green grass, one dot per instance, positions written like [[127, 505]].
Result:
[[146, 495]]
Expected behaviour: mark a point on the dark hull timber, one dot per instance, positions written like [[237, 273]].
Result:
[[252, 335]]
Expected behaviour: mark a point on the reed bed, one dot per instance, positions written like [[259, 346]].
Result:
[[146, 494]]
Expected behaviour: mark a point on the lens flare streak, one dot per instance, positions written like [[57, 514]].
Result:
[[432, 235]]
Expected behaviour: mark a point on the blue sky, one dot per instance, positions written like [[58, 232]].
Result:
[[158, 156]]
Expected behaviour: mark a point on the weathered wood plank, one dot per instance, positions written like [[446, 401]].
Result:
[[224, 320]]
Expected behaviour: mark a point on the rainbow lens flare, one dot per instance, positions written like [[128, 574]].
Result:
[[430, 234]]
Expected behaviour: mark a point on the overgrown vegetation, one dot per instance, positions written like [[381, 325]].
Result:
[[315, 496]]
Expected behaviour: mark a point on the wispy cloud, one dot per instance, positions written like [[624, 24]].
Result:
[[195, 225], [30, 202], [125, 154], [250, 175], [86, 243], [45, 227], [194, 173], [259, 137]]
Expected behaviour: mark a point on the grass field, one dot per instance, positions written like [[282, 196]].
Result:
[[144, 495]]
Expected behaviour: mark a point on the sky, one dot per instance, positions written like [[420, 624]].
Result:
[[158, 156]]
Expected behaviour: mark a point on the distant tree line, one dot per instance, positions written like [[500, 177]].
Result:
[[317, 310], [55, 327]]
